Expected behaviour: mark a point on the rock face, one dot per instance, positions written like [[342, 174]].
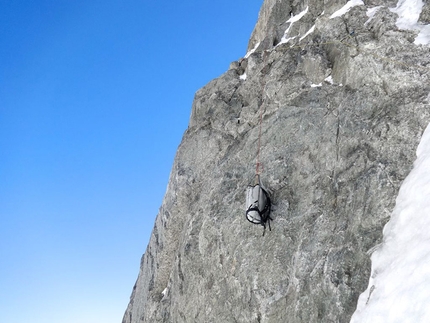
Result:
[[345, 101]]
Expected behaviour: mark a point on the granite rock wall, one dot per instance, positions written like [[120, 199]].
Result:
[[344, 101]]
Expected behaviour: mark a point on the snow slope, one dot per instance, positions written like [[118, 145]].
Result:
[[399, 286], [409, 12]]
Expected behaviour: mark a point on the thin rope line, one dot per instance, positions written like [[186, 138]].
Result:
[[259, 166]]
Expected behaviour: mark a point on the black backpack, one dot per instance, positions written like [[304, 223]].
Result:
[[258, 206]]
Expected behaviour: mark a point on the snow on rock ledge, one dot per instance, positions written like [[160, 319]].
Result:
[[350, 4]]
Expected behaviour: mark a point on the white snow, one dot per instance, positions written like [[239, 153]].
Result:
[[409, 12], [371, 13], [399, 286], [252, 50], [346, 8], [243, 76], [299, 16], [285, 40], [316, 85], [423, 37], [329, 79], [309, 32], [292, 20]]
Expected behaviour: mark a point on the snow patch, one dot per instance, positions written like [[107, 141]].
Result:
[[346, 8], [423, 37], [243, 76], [252, 50], [309, 32], [329, 79], [399, 286], [285, 39], [409, 12], [316, 85], [296, 18], [371, 13]]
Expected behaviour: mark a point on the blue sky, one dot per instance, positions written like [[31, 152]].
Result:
[[94, 99]]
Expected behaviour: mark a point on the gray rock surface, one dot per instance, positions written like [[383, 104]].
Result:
[[425, 13], [334, 156]]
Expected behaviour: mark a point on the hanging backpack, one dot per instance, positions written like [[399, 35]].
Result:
[[258, 205]]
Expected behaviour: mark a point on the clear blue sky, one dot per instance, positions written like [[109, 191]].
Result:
[[94, 99]]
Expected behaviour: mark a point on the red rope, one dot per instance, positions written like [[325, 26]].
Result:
[[259, 166]]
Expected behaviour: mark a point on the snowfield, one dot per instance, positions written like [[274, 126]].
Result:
[[399, 286]]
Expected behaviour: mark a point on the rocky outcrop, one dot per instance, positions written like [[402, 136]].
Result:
[[425, 13], [345, 101]]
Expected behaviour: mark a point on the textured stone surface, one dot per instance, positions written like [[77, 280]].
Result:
[[425, 13], [334, 156]]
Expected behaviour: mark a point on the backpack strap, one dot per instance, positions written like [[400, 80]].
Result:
[[253, 208], [266, 212]]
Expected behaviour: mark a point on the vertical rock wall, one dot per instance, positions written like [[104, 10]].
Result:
[[344, 101]]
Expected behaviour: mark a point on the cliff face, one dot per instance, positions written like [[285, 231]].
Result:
[[345, 101]]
